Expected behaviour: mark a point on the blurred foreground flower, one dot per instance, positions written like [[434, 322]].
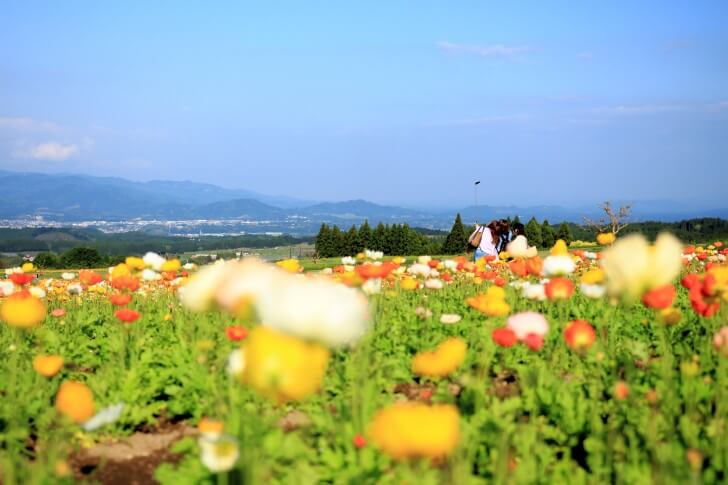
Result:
[[127, 315], [106, 416], [308, 307], [23, 310], [218, 453], [492, 302], [47, 365], [444, 360], [720, 341], [606, 238], [559, 262], [75, 400], [415, 430], [632, 266], [579, 335], [281, 367]]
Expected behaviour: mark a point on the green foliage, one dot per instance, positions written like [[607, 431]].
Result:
[[564, 233], [548, 237], [365, 235], [397, 239], [456, 241], [47, 260], [546, 417], [533, 232], [81, 258]]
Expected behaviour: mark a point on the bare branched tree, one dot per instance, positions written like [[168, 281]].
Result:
[[614, 222]]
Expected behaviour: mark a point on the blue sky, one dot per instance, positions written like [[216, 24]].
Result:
[[395, 102]]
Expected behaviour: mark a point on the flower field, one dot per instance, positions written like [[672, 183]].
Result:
[[576, 367]]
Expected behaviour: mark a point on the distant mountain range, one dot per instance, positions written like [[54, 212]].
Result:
[[68, 197]]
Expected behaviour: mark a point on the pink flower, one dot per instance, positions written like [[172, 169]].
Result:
[[525, 323]]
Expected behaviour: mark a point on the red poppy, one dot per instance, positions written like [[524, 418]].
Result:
[[446, 277], [433, 263], [718, 244], [505, 337], [702, 256], [236, 333], [120, 299], [689, 250], [58, 312], [690, 280], [704, 305], [425, 394], [127, 315], [359, 441], [579, 335], [89, 277], [559, 289], [533, 341], [621, 390], [660, 298], [21, 279]]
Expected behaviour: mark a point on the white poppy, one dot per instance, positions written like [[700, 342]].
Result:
[[236, 363], [593, 290], [154, 261], [105, 416], [450, 318], [219, 454]]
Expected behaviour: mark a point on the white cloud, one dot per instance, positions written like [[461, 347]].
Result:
[[51, 151], [484, 50]]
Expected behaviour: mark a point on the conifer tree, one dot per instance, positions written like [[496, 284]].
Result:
[[564, 233], [457, 240], [323, 242], [351, 242], [516, 220], [337, 241], [365, 235], [547, 235], [378, 239], [533, 232]]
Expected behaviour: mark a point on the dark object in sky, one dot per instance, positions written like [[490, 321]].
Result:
[[477, 182]]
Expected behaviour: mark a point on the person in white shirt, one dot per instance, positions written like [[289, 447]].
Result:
[[489, 242]]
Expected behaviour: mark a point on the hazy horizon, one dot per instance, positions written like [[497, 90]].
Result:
[[398, 104]]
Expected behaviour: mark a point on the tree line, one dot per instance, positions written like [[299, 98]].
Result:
[[390, 239], [403, 240]]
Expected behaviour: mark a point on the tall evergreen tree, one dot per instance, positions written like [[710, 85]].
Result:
[[323, 242], [516, 220], [564, 233], [337, 242], [399, 240], [378, 239], [365, 235], [457, 240], [547, 235], [533, 232], [351, 242]]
